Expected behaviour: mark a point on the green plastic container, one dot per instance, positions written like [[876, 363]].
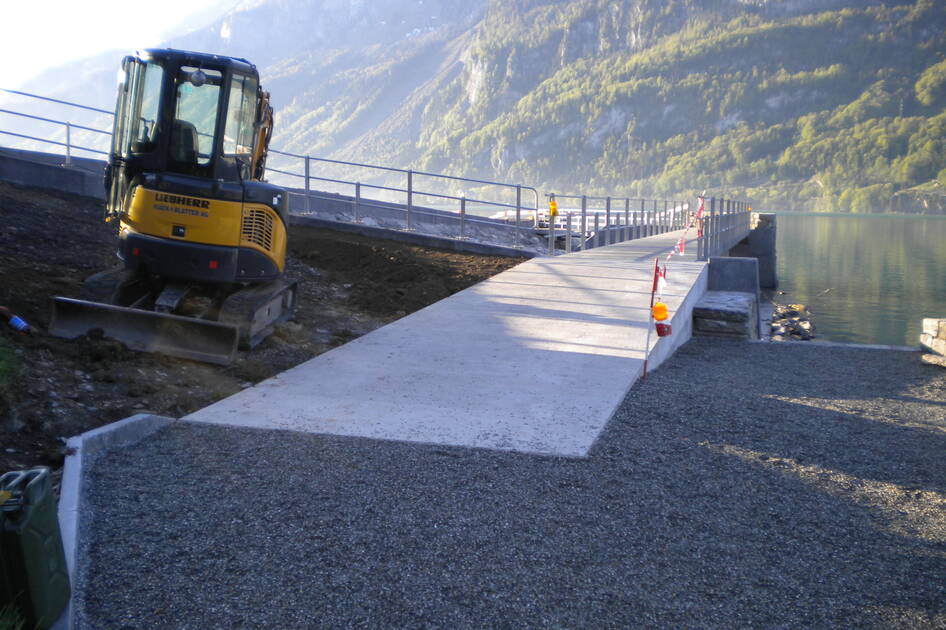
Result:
[[31, 547], [6, 583]]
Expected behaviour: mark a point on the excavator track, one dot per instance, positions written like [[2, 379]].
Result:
[[255, 310]]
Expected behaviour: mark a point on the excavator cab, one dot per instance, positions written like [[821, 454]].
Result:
[[197, 225]]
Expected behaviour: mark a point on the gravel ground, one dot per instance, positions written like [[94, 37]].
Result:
[[741, 486]]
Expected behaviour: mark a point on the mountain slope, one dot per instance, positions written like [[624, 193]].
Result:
[[834, 110], [795, 104]]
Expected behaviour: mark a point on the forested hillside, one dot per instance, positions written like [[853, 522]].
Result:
[[834, 105], [790, 105]]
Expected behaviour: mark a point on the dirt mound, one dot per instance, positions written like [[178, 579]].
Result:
[[52, 388]]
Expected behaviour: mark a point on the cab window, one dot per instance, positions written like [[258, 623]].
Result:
[[138, 108], [241, 114], [195, 116]]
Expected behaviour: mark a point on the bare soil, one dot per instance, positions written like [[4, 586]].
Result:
[[53, 388]]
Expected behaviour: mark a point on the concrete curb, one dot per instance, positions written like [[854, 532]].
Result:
[[682, 323], [120, 433], [838, 344], [664, 347]]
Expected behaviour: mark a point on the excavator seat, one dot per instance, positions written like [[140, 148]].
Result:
[[184, 142]]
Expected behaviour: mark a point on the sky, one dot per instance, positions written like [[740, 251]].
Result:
[[40, 34]]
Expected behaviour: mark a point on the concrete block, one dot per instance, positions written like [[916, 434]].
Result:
[[933, 359], [762, 237], [931, 326], [734, 274], [933, 344], [725, 305], [730, 313], [721, 327], [935, 327]]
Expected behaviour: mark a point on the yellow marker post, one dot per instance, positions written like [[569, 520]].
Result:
[[553, 212]]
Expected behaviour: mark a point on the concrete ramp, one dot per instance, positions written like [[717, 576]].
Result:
[[535, 359]]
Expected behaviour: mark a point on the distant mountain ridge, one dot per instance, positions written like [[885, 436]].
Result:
[[796, 104]]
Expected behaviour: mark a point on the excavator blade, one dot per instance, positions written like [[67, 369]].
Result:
[[185, 337]]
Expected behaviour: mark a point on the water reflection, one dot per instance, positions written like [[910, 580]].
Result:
[[865, 278]]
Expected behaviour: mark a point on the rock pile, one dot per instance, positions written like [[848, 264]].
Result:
[[933, 341], [791, 322]]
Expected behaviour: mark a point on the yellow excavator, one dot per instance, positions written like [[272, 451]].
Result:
[[202, 238]]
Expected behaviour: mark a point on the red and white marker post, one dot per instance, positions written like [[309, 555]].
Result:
[[650, 315]]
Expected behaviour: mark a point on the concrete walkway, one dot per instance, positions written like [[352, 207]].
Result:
[[535, 359]]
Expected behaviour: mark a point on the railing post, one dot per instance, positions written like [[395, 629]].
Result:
[[699, 234], [535, 215], [597, 241], [410, 196], [696, 226], [551, 228], [357, 199], [653, 220], [584, 222], [68, 144], [568, 232], [607, 221], [713, 231], [518, 211], [640, 226], [663, 222], [307, 184], [462, 214], [627, 218]]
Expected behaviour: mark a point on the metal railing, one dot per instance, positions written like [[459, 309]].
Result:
[[584, 221], [69, 126], [444, 205], [488, 203], [725, 222], [452, 206]]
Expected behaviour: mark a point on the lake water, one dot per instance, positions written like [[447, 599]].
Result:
[[865, 278]]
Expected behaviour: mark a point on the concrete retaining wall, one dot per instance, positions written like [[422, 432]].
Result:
[[44, 170], [414, 238], [345, 210], [760, 244]]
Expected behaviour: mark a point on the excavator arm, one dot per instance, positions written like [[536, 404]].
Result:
[[264, 131]]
